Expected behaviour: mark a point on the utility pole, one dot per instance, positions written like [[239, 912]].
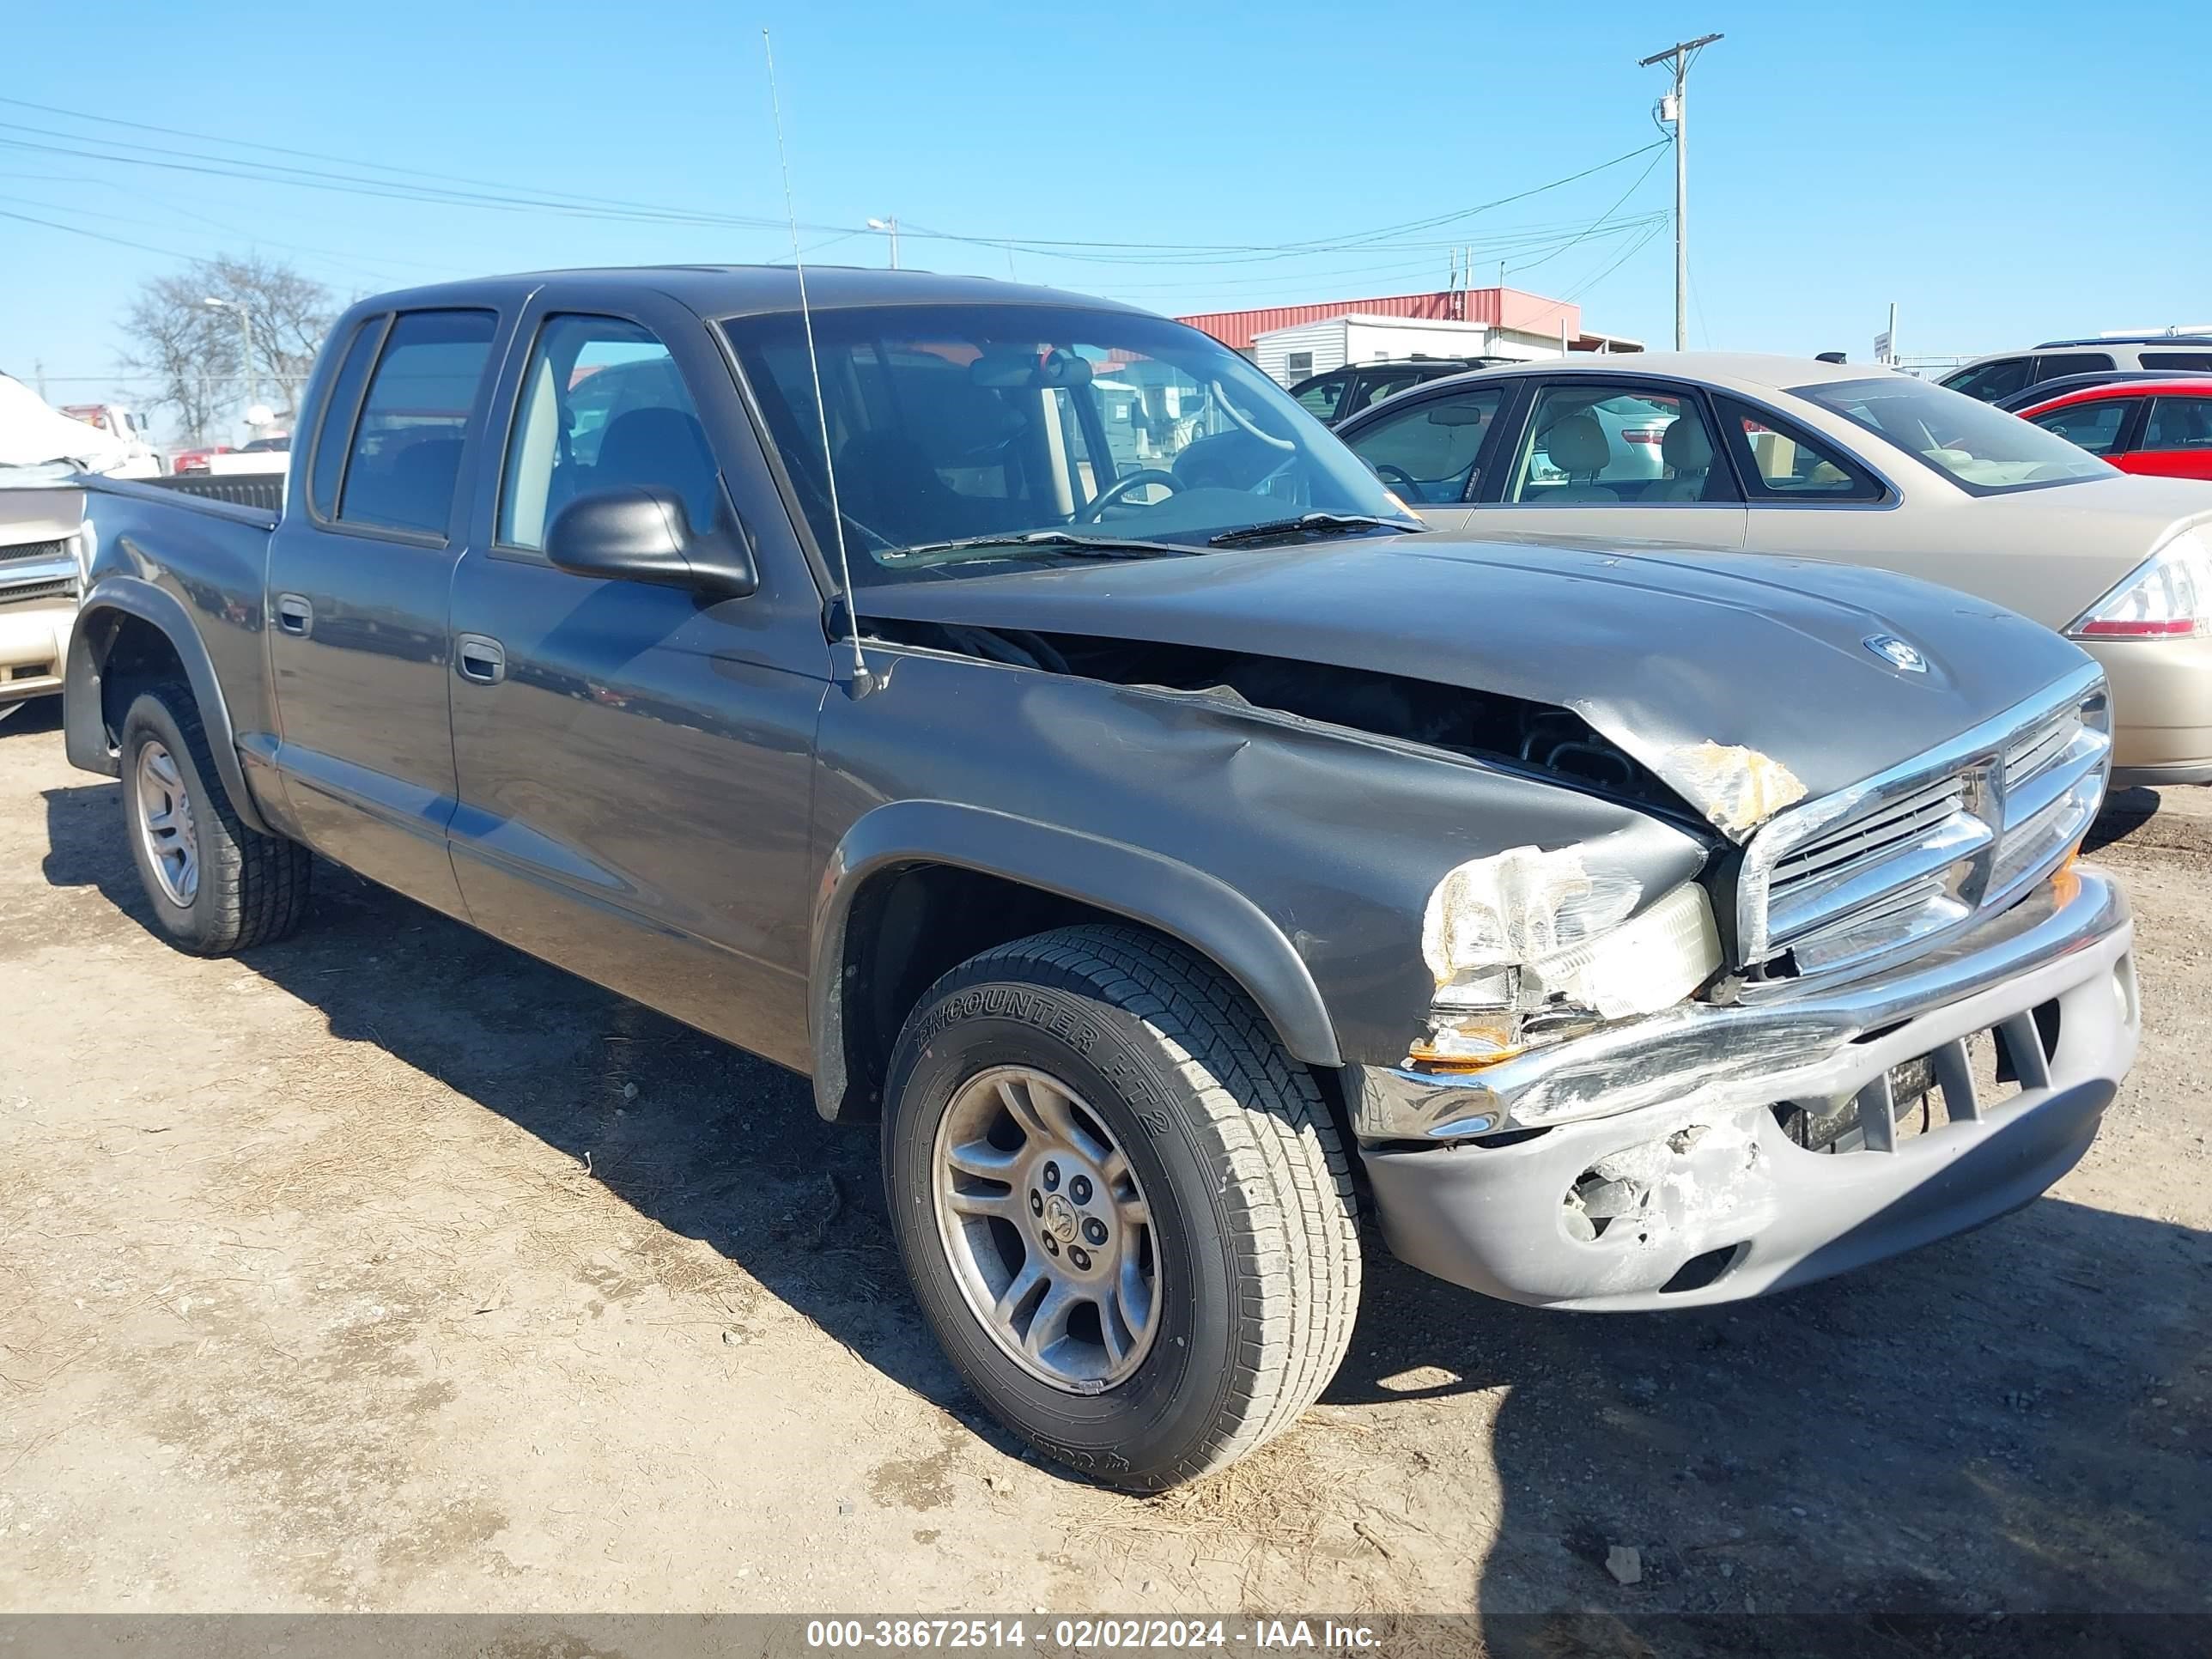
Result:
[[39, 374], [245, 344], [889, 226], [1675, 108]]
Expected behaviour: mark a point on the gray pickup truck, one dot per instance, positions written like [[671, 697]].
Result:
[[1173, 852]]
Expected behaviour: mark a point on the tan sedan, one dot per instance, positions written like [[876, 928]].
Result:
[[1836, 462]]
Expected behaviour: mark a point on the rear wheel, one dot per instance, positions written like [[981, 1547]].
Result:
[[1126, 1212], [216, 886]]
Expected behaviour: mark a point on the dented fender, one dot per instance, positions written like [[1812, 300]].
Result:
[[1157, 891], [1166, 806]]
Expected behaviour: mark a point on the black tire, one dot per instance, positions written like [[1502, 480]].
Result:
[[252, 889], [1252, 1212]]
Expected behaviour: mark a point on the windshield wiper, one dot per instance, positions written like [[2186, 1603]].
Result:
[[1255, 532], [1049, 541]]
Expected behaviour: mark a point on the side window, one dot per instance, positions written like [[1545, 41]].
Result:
[[603, 407], [1591, 443], [2072, 362], [1319, 399], [1782, 462], [1992, 380], [2191, 359], [2095, 427], [337, 416], [405, 457], [2179, 423], [1372, 389], [1427, 451]]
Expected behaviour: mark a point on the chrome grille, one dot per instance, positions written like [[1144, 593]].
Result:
[[15, 551], [1885, 869], [2033, 749]]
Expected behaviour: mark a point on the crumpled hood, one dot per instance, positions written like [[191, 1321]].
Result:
[[1744, 682]]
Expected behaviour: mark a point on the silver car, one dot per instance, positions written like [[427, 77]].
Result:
[[1848, 463]]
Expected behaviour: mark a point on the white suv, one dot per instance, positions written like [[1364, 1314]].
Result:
[[2003, 373]]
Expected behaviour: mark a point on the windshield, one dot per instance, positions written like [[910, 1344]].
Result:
[[1983, 449], [972, 424]]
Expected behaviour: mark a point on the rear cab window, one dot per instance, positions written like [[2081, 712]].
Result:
[[337, 422], [402, 463]]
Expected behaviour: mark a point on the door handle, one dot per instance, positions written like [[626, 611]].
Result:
[[294, 615], [480, 658]]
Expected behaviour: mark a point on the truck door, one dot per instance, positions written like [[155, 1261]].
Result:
[[636, 762], [359, 576]]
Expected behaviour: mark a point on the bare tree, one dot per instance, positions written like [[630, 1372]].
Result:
[[198, 351]]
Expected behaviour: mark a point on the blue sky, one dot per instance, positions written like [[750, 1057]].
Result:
[[1999, 184]]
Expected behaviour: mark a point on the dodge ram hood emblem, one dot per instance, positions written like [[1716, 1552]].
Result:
[[1896, 652]]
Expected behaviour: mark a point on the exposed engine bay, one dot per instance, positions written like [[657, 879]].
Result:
[[1529, 735]]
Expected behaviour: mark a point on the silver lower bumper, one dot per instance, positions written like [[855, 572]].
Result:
[[1725, 1204]]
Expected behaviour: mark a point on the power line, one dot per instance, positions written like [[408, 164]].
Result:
[[223, 166], [254, 237], [1233, 252], [1563, 240], [99, 236], [510, 198], [1658, 156], [314, 155]]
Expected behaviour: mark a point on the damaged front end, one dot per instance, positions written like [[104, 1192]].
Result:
[[1530, 947], [1932, 1005]]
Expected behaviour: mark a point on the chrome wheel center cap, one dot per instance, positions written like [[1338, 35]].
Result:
[[1060, 1219]]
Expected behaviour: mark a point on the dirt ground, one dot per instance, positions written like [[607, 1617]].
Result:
[[386, 1268]]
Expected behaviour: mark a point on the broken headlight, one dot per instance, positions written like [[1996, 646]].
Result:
[[1486, 1011]]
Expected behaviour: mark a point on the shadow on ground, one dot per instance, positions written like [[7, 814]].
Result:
[[2000, 1421], [23, 719]]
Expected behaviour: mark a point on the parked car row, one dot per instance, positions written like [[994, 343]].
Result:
[[1862, 466], [2161, 427], [1340, 393], [1016, 713], [2006, 374]]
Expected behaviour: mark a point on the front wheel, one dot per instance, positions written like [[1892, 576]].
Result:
[[1126, 1212]]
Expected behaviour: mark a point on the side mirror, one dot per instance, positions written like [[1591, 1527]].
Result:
[[638, 535]]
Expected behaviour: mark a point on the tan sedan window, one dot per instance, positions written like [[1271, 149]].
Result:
[[1782, 462], [1590, 443]]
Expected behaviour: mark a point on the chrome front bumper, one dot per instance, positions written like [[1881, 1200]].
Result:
[[1679, 1108]]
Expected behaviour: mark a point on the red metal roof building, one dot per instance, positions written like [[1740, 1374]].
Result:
[[1505, 309]]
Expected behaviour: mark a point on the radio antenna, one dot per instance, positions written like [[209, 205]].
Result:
[[863, 682]]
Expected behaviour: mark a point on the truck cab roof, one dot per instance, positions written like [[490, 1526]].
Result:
[[745, 290]]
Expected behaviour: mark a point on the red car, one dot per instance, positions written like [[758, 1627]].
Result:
[[196, 460], [2162, 427]]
